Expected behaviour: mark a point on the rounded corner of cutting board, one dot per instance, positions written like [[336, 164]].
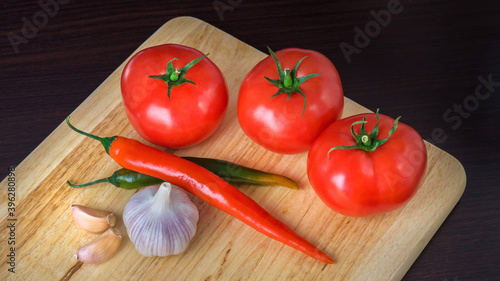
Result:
[[460, 172], [181, 20], [457, 170]]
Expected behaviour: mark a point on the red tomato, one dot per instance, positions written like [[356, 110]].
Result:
[[355, 182], [191, 113], [280, 123]]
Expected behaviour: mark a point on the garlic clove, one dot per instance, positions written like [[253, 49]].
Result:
[[93, 220], [100, 249], [160, 221]]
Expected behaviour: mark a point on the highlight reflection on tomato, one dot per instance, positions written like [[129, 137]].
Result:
[[173, 95], [377, 175]]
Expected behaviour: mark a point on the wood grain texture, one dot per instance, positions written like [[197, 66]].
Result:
[[377, 248]]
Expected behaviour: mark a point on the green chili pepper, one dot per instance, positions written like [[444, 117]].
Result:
[[228, 171]]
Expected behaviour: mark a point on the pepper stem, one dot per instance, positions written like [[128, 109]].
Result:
[[365, 141], [106, 142], [289, 82], [174, 77], [87, 184]]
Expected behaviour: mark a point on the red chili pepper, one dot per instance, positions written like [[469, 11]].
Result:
[[133, 155]]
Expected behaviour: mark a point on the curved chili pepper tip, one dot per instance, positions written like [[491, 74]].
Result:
[[286, 182], [329, 260], [238, 174]]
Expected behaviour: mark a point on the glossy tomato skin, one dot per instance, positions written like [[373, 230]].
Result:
[[192, 113], [276, 123], [359, 183]]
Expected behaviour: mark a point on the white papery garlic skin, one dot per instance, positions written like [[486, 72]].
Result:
[[160, 221]]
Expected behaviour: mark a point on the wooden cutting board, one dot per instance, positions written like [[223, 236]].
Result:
[[381, 247]]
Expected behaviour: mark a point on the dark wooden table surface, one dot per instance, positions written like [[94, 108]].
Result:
[[435, 62]]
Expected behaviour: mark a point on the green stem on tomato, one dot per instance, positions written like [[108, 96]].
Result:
[[174, 77], [289, 82], [364, 141]]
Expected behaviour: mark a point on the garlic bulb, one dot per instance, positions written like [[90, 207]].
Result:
[[160, 221]]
